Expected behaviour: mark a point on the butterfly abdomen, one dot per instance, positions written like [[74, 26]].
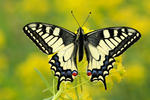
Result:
[[80, 47]]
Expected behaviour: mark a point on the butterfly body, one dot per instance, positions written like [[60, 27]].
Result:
[[80, 41], [101, 47]]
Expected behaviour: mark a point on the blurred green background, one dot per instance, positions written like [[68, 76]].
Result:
[[19, 56]]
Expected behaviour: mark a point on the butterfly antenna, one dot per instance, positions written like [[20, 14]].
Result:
[[75, 18], [87, 18]]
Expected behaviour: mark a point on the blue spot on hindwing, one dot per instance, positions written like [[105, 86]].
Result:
[[106, 62], [63, 73], [57, 64], [100, 72], [94, 72], [56, 57], [68, 73]]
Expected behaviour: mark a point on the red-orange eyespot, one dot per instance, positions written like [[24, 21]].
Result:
[[89, 73], [74, 73]]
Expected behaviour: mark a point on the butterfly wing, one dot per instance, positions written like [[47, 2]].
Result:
[[64, 64], [105, 44], [53, 39], [49, 38]]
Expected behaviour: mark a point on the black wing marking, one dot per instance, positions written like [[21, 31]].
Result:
[[63, 64], [105, 44], [49, 38]]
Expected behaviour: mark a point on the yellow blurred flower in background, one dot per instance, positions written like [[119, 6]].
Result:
[[135, 74], [26, 70], [7, 94], [36, 6]]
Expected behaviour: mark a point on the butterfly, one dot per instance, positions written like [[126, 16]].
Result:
[[100, 46]]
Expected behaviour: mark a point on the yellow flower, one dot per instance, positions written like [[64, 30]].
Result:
[[36, 6], [129, 17], [7, 94], [135, 74], [26, 70], [29, 79]]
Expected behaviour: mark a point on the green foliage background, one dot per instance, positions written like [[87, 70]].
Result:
[[19, 56]]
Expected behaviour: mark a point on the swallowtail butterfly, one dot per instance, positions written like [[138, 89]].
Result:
[[101, 47]]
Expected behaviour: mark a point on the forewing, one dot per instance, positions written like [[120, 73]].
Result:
[[49, 38], [105, 44], [114, 41]]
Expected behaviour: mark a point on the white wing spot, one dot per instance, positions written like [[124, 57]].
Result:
[[38, 30], [129, 42], [118, 39], [33, 37], [130, 33], [48, 29], [52, 41], [37, 41], [53, 67], [122, 37], [105, 72], [100, 77], [47, 39], [134, 37], [40, 25], [57, 44], [122, 49], [137, 34], [114, 42], [43, 48], [124, 34], [104, 46], [57, 73], [111, 59], [109, 66], [31, 34], [115, 32], [62, 78], [125, 45], [32, 25], [40, 44], [28, 31], [40, 33], [110, 44], [123, 30], [131, 30], [106, 34], [46, 51], [26, 28], [33, 28], [56, 31], [118, 52], [45, 35]]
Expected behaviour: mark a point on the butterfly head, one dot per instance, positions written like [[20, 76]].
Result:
[[80, 31]]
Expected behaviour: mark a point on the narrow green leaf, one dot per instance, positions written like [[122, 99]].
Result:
[[44, 80]]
